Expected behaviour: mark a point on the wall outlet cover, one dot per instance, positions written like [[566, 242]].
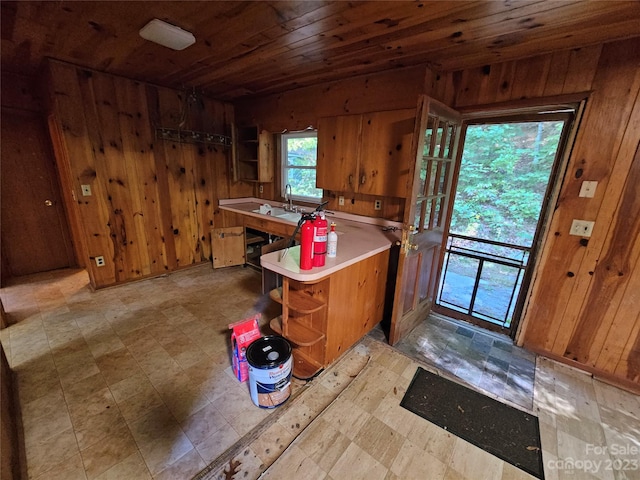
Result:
[[588, 189], [581, 228], [100, 261], [377, 204]]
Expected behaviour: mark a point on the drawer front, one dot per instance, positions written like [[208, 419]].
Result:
[[264, 225]]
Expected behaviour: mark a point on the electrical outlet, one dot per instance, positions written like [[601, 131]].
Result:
[[377, 205], [340, 200], [588, 189], [86, 190], [100, 261], [581, 228], [261, 188]]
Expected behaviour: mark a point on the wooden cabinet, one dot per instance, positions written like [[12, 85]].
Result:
[[368, 154], [323, 318], [253, 154], [339, 141]]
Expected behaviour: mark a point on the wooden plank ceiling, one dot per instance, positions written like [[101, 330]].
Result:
[[254, 48]]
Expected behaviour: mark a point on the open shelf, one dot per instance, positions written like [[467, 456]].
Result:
[[298, 333], [299, 302], [304, 367], [253, 154], [303, 303], [276, 295], [252, 238]]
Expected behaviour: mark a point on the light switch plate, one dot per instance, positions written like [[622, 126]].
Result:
[[588, 189], [86, 190], [340, 200]]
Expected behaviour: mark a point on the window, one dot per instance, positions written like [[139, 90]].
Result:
[[299, 158]]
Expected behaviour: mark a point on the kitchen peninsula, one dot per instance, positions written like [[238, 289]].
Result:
[[327, 309]]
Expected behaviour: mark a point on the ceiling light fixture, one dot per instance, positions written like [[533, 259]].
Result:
[[167, 35]]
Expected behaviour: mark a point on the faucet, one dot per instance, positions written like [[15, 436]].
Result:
[[288, 194]]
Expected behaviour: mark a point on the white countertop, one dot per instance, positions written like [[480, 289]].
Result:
[[358, 238]]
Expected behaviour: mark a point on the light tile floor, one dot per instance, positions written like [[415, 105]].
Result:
[[134, 382]]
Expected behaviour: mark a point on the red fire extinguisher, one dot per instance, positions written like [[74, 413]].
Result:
[[320, 225], [306, 242]]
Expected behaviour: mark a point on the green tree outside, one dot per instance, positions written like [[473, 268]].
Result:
[[503, 178]]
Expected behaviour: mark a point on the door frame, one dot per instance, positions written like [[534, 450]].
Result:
[[505, 112], [66, 253]]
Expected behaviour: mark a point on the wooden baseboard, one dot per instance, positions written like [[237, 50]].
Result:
[[596, 373]]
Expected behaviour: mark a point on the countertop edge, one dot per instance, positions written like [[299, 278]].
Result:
[[373, 244], [317, 273]]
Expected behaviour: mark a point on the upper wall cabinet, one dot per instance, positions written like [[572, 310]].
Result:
[[368, 154], [339, 140], [252, 154]]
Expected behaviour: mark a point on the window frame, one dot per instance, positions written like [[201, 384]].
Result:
[[284, 167]]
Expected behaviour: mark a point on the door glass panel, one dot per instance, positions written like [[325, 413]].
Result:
[[433, 177], [421, 211], [451, 136], [444, 177], [438, 142], [423, 174], [438, 214], [428, 137], [427, 141]]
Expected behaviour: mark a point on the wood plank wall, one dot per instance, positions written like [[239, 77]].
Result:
[[153, 202], [585, 303]]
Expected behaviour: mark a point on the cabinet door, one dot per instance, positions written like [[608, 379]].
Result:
[[385, 155], [265, 157], [338, 150], [228, 246]]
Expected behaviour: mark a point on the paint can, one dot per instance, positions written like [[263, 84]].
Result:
[[270, 362]]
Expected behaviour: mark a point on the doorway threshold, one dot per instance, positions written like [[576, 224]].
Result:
[[487, 360]]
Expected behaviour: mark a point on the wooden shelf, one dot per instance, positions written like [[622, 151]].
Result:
[[253, 154], [298, 333], [276, 295], [276, 324], [303, 303], [299, 302], [250, 238], [304, 367]]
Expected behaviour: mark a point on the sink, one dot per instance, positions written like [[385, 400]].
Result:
[[291, 216], [282, 214]]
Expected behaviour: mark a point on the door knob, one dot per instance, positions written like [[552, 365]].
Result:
[[48, 203]]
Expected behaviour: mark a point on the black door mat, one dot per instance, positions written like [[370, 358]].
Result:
[[503, 431]]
